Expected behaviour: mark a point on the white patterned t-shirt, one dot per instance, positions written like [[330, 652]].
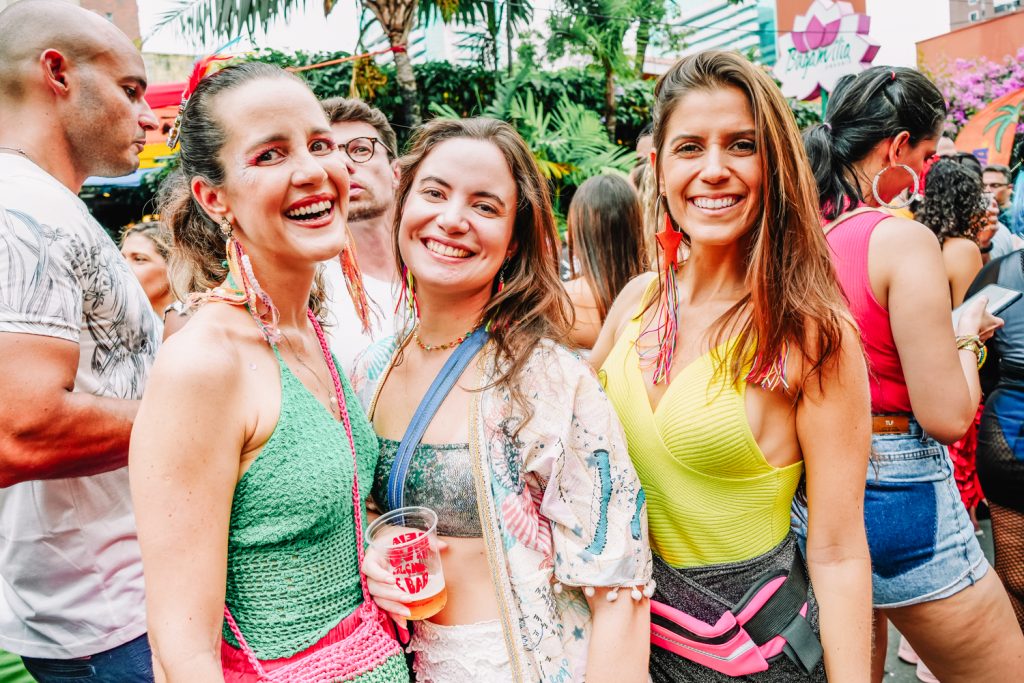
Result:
[[70, 571]]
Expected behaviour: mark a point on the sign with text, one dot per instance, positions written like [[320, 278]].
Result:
[[827, 43]]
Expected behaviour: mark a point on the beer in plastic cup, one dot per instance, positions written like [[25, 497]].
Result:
[[407, 540]]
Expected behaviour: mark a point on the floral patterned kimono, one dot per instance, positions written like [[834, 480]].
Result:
[[561, 507]]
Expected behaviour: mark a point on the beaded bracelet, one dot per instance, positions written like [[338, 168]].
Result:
[[973, 343]]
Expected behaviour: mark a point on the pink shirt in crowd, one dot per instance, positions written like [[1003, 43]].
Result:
[[849, 241]]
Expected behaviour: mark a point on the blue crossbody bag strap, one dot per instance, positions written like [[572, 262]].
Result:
[[428, 407]]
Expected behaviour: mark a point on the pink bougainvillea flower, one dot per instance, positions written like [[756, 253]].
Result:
[[970, 85]]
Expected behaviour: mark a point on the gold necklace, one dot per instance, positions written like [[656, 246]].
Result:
[[332, 399], [442, 347]]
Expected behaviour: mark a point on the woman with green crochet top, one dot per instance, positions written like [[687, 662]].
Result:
[[250, 459]]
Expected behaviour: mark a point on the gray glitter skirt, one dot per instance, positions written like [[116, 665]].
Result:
[[707, 593]]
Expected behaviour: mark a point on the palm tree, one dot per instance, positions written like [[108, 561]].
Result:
[[482, 22], [597, 28], [397, 17], [1009, 115], [652, 13], [226, 18]]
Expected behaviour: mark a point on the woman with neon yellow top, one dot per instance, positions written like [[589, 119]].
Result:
[[735, 376]]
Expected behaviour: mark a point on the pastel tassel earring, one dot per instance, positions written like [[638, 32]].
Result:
[[774, 375], [240, 268], [242, 288]]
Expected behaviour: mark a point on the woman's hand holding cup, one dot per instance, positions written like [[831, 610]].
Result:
[[403, 564]]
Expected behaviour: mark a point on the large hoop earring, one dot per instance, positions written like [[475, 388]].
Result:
[[907, 202]]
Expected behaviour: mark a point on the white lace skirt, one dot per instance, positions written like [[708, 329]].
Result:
[[470, 653]]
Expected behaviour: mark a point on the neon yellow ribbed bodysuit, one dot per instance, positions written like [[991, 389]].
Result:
[[711, 495]]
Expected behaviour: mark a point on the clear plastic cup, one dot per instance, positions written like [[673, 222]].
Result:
[[406, 539]]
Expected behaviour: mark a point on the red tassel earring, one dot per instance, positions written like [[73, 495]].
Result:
[[665, 323], [501, 277], [354, 282]]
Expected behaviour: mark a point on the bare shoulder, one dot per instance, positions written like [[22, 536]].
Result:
[[903, 233], [579, 292], [960, 247], [627, 303], [204, 353], [847, 349], [635, 288], [625, 307]]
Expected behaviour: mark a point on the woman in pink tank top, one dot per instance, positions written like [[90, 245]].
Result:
[[929, 575]]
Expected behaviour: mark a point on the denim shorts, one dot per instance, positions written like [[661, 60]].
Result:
[[128, 663], [922, 542]]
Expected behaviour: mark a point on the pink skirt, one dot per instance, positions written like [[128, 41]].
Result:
[[237, 668]]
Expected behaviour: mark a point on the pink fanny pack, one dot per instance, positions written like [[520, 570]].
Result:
[[769, 621]]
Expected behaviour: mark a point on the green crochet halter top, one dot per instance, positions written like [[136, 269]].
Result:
[[293, 571]]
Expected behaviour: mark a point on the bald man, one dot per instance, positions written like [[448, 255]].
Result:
[[945, 147], [77, 338]]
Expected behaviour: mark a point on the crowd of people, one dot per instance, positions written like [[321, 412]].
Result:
[[728, 432]]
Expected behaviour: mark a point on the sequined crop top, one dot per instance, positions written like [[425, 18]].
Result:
[[440, 478]]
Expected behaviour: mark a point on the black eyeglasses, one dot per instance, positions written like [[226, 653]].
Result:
[[360, 150]]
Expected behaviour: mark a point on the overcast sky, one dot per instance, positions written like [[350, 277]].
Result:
[[305, 29], [895, 25]]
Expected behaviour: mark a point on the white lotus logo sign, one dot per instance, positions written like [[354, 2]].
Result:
[[827, 43]]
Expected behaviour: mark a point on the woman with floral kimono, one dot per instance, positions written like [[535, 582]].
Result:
[[540, 510]]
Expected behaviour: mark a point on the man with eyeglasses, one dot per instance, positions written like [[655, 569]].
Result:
[[368, 143], [996, 179]]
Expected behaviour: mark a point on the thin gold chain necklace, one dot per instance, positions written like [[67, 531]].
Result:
[[331, 397]]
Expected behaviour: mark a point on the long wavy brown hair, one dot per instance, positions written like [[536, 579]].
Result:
[[792, 297], [606, 237], [533, 304]]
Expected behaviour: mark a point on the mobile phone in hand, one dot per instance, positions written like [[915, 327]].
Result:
[[999, 298]]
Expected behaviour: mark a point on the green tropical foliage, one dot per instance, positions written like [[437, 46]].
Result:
[[470, 90], [481, 25], [597, 28], [568, 139], [569, 142]]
